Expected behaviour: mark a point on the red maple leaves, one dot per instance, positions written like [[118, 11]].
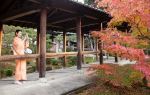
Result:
[[124, 47]]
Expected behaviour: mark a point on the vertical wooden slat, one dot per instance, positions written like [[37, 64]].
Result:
[[43, 24], [82, 37], [78, 31], [64, 47], [1, 35]]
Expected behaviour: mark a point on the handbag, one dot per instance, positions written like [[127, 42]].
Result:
[[28, 51]]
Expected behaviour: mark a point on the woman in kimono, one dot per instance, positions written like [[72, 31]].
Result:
[[19, 46]]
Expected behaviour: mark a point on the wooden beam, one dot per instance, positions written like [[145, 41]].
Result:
[[24, 21], [1, 35], [55, 26], [13, 57], [63, 20], [89, 52], [79, 48], [35, 1], [53, 55], [64, 47], [91, 17], [83, 26], [18, 13], [43, 22], [52, 12]]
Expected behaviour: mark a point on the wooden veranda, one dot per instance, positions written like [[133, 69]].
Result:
[[55, 15]]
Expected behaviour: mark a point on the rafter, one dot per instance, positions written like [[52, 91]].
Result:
[[18, 13], [83, 26]]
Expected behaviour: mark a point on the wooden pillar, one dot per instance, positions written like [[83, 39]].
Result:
[[96, 49], [64, 47], [101, 52], [38, 48], [78, 31], [43, 24], [82, 38], [1, 35], [100, 48], [116, 57]]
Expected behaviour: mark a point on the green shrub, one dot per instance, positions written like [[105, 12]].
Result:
[[53, 61], [89, 59], [8, 72], [123, 75], [72, 61]]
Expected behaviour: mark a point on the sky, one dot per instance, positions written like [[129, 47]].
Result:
[[81, 1]]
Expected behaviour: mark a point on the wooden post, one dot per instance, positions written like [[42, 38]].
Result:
[[64, 47], [96, 48], [100, 49], [116, 57], [101, 52], [43, 22], [78, 31], [82, 38], [1, 35], [38, 48]]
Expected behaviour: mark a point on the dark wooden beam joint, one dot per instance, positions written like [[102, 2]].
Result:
[[79, 47], [43, 24]]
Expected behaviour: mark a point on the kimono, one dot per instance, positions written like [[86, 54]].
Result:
[[19, 46]]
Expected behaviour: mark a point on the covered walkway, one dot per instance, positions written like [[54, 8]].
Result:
[[52, 15], [56, 82]]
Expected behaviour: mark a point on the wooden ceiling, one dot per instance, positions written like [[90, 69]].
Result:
[[61, 14]]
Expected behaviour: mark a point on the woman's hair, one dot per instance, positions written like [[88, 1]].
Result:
[[17, 31]]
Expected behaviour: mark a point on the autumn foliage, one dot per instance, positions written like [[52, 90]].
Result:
[[133, 11], [124, 47]]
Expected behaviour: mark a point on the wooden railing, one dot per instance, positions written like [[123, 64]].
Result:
[[12, 57], [51, 55], [48, 55]]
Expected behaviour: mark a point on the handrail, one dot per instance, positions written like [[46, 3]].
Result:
[[12, 57], [48, 55]]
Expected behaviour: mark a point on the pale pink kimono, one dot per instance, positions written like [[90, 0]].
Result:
[[18, 49]]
